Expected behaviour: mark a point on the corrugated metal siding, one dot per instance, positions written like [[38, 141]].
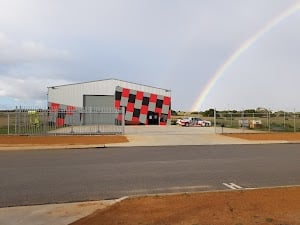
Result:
[[73, 94]]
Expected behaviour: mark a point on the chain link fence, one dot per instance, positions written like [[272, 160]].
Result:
[[243, 121], [36, 121], [78, 121], [262, 121]]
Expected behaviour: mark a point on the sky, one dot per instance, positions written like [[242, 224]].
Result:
[[171, 44]]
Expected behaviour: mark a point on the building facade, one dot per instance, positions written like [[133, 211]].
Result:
[[142, 104]]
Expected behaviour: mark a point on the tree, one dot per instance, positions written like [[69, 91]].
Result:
[[209, 113], [174, 113]]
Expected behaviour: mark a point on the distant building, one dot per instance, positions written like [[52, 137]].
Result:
[[143, 104]]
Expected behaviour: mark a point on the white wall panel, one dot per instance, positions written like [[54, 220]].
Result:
[[72, 94]]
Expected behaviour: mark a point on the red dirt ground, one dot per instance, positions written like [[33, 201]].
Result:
[[277, 206], [284, 136], [60, 140]]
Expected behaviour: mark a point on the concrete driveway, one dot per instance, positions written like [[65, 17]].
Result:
[[177, 135]]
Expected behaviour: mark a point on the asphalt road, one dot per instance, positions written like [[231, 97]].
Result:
[[56, 176]]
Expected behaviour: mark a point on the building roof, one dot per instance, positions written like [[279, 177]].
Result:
[[111, 79]]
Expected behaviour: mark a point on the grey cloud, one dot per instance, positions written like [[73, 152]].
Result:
[[13, 52], [28, 87]]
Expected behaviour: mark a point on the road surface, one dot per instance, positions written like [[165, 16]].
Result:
[[56, 176]]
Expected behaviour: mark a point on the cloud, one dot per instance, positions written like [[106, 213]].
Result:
[[37, 51], [14, 52], [4, 41], [28, 88]]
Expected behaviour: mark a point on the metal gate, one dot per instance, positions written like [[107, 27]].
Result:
[[70, 121]]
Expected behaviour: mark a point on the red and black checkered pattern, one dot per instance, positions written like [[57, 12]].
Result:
[[138, 105], [59, 113]]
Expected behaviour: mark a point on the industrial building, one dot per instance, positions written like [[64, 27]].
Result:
[[143, 104]]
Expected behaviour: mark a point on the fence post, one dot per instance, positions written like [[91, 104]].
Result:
[[243, 119], [98, 118], [269, 120], [215, 120], [16, 119], [72, 120], [284, 119], [295, 120], [123, 120], [8, 125]]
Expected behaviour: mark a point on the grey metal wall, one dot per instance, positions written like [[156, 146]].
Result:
[[98, 101]]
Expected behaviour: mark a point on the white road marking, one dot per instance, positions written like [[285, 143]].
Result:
[[232, 186]]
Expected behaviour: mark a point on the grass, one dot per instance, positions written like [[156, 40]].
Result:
[[4, 130]]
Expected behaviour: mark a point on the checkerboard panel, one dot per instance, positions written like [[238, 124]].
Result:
[[138, 104]]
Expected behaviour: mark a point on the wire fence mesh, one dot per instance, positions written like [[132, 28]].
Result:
[[78, 121], [37, 121], [241, 121], [263, 121]]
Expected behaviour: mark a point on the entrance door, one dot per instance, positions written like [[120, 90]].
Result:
[[153, 118]]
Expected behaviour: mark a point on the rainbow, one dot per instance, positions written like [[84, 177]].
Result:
[[275, 21]]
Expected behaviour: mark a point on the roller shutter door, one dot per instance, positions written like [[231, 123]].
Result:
[[96, 106]]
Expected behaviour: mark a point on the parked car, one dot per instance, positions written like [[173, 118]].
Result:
[[193, 121]]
